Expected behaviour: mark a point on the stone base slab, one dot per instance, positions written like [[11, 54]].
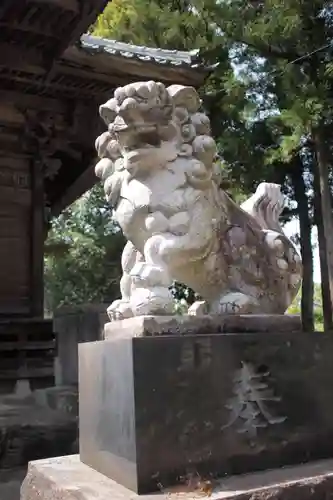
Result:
[[66, 478], [157, 408], [150, 326]]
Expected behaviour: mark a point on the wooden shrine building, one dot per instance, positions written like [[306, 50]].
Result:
[[52, 81]]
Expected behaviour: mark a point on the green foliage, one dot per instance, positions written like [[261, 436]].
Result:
[[168, 24], [86, 267]]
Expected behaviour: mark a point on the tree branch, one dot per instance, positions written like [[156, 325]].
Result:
[[265, 50]]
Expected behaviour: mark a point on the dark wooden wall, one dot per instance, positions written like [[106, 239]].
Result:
[[15, 231], [35, 131]]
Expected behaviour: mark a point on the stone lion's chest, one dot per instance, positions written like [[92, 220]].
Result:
[[151, 191]]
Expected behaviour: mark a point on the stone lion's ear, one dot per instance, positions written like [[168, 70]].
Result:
[[101, 143], [108, 111], [184, 97]]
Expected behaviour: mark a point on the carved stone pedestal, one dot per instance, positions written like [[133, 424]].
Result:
[[156, 410]]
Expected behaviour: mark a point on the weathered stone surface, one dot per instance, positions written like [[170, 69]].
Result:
[[10, 483], [75, 324], [157, 165], [60, 398], [29, 432], [146, 326], [66, 478], [154, 408]]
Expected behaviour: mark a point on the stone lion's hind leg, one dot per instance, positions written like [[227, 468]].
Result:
[[228, 303]]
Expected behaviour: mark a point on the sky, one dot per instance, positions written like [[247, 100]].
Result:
[[292, 228]]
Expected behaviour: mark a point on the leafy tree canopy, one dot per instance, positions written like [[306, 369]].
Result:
[[83, 250]]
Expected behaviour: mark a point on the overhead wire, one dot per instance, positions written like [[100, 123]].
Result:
[[309, 54]]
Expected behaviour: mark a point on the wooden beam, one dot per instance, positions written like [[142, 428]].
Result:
[[33, 101], [117, 67], [66, 91], [25, 27], [84, 182], [27, 326], [16, 164], [11, 307], [18, 179], [17, 196], [88, 14], [70, 5], [91, 77], [38, 372], [28, 346], [18, 57], [10, 144], [10, 115], [7, 4]]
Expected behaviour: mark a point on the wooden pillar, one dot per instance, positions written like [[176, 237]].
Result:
[[37, 239], [27, 341], [21, 237], [15, 207], [38, 135]]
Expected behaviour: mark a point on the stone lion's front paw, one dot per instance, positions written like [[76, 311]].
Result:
[[154, 300], [198, 308], [119, 309]]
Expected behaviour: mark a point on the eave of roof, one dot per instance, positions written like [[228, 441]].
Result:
[[163, 57]]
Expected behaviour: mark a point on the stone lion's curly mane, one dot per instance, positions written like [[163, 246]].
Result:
[[172, 113]]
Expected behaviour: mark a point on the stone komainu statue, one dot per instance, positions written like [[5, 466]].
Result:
[[157, 165]]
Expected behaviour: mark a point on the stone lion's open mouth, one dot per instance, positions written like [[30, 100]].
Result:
[[131, 141], [137, 147], [137, 153]]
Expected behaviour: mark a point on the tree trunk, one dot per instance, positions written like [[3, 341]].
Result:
[[323, 215], [306, 246]]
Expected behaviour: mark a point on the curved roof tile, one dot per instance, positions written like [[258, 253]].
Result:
[[164, 57]]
